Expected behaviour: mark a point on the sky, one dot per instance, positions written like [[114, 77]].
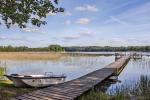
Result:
[[87, 23]]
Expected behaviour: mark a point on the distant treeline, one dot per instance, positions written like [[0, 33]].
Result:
[[58, 48], [107, 48], [55, 48]]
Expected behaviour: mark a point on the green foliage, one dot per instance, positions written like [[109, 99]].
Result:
[[94, 96], [21, 12], [55, 48], [107, 48], [2, 71]]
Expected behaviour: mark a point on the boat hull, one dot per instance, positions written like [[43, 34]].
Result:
[[28, 81], [42, 82], [17, 81]]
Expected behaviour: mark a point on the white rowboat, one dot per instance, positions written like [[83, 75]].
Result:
[[36, 80]]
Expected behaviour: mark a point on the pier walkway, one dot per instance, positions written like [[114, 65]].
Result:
[[74, 88]]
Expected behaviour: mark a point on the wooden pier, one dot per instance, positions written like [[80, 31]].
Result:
[[132, 55], [72, 89]]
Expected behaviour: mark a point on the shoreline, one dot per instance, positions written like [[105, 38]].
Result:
[[30, 55]]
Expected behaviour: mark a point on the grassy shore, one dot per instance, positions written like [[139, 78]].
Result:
[[30, 55], [7, 90]]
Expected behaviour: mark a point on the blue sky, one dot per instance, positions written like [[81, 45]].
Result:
[[86, 23]]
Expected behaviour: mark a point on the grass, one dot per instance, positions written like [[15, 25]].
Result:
[[2, 71], [7, 90], [30, 55], [102, 96]]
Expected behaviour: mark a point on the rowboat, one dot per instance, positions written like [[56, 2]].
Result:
[[44, 80]]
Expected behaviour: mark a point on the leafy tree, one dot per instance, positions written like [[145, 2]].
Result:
[[55, 48], [21, 12]]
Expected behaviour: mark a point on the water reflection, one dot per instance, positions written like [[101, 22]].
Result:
[[133, 84], [72, 66], [133, 75]]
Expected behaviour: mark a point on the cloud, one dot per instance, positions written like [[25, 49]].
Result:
[[119, 40], [3, 38], [67, 22], [51, 14], [67, 13], [71, 37], [32, 30], [82, 34], [91, 8], [83, 21], [115, 19], [141, 10], [86, 33]]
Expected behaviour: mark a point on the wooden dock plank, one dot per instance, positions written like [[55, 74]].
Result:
[[74, 88], [53, 95]]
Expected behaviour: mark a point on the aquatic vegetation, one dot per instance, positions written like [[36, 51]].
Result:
[[140, 92], [30, 55], [2, 71]]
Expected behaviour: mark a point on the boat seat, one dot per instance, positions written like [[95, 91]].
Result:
[[27, 76], [14, 74]]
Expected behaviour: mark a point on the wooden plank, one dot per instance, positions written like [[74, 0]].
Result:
[[27, 97], [51, 95], [68, 93], [23, 98], [42, 97]]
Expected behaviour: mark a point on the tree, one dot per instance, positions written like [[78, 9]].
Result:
[[21, 12], [55, 48]]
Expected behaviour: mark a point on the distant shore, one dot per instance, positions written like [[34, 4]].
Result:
[[30, 55], [45, 55]]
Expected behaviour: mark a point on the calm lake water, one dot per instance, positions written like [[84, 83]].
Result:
[[134, 74], [72, 66], [76, 66]]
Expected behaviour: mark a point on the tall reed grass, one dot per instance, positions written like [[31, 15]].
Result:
[[30, 55], [140, 91]]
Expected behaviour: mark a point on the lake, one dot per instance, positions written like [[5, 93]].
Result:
[[135, 74], [76, 66], [72, 66]]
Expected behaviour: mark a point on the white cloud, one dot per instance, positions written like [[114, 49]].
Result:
[[86, 33], [91, 8], [83, 21], [71, 37], [32, 30], [67, 22], [67, 13], [80, 35], [51, 14], [3, 38], [115, 19]]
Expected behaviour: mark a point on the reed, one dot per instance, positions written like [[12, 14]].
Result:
[[140, 91], [30, 55], [2, 71]]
